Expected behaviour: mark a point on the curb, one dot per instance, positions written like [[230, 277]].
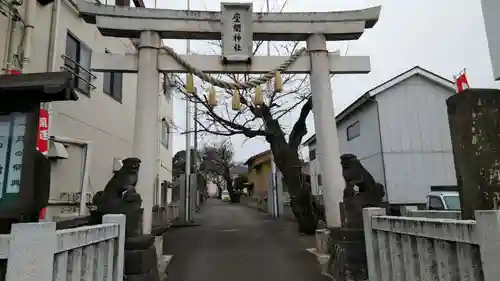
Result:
[[254, 208], [286, 217]]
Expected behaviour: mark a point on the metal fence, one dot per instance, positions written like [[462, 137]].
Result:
[[37, 251], [416, 248]]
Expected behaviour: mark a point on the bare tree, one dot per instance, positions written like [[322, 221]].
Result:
[[179, 163], [217, 162]]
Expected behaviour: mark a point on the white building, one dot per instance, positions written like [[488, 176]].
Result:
[[91, 135], [399, 130]]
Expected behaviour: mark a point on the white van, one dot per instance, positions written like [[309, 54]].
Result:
[[443, 199]]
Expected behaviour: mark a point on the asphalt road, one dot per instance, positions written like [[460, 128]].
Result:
[[236, 243]]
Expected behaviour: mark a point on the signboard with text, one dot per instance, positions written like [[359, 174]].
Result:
[[12, 130], [237, 42]]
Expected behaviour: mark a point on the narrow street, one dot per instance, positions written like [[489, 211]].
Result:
[[235, 242]]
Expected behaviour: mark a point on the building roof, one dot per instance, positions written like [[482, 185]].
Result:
[[363, 99], [37, 87], [251, 159]]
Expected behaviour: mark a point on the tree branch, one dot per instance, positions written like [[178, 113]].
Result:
[[300, 129]]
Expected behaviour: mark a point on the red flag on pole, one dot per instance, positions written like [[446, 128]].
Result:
[[461, 82]]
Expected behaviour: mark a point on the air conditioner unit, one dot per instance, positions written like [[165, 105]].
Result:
[[117, 164], [57, 150]]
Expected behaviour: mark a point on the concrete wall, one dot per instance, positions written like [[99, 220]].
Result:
[[259, 171], [416, 139], [260, 180], [106, 123], [402, 248]]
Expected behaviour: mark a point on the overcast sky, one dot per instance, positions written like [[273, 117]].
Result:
[[443, 36]]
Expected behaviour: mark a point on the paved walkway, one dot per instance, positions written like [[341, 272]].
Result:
[[236, 243]]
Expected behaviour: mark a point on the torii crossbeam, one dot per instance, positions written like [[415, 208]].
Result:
[[238, 27]]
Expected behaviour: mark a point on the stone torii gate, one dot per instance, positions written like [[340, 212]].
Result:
[[237, 26]]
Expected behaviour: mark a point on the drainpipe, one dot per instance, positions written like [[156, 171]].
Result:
[[52, 52], [158, 158], [8, 43], [29, 17], [54, 26], [381, 151], [51, 67]]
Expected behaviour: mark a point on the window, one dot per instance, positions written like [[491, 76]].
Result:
[[435, 203], [452, 202], [77, 61], [353, 131], [165, 132], [312, 154], [113, 84], [319, 180]]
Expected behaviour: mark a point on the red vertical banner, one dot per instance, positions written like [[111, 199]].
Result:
[[43, 132], [461, 82]]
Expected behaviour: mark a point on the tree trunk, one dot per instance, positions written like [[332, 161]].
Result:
[[234, 196], [303, 203], [219, 191]]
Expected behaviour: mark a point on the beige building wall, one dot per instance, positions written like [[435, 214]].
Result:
[[97, 130]]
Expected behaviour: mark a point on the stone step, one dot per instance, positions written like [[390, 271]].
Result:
[[163, 262], [322, 260]]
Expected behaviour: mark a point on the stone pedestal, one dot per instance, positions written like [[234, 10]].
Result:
[[141, 260], [474, 119], [347, 254]]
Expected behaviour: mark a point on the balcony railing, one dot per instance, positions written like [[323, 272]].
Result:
[[77, 69]]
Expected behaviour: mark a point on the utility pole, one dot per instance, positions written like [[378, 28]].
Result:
[[274, 180], [188, 144], [195, 132]]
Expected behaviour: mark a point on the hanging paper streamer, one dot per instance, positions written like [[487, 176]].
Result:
[[236, 100], [190, 84], [212, 98], [258, 99]]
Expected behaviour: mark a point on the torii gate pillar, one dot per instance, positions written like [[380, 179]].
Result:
[[146, 136], [326, 128]]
